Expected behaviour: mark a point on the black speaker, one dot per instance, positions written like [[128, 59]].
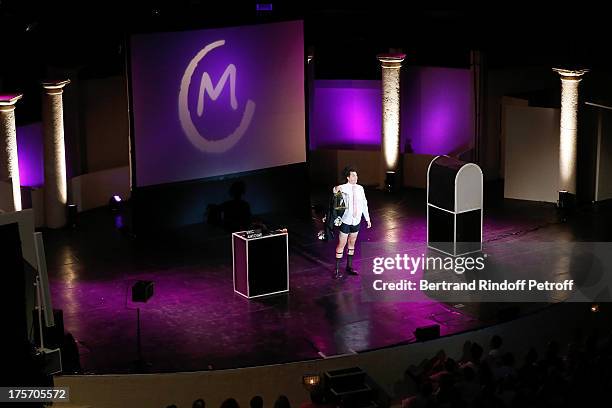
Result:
[[52, 361], [142, 291], [427, 332]]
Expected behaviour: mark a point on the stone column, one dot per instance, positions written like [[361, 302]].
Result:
[[390, 147], [9, 161], [56, 192], [568, 137]]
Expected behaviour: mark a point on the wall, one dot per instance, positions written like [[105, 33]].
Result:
[[532, 153], [346, 114], [437, 112], [30, 151], [415, 169], [106, 123], [604, 160], [505, 102]]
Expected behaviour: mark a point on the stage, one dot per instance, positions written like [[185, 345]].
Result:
[[195, 321]]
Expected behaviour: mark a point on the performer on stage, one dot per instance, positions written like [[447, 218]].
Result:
[[356, 207]]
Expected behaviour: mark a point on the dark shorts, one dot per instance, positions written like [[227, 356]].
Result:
[[347, 229]]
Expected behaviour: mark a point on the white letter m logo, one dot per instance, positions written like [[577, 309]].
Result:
[[213, 145], [206, 86]]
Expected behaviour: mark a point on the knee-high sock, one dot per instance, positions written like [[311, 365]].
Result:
[[349, 258], [338, 258]]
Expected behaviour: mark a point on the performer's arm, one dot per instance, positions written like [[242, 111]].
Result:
[[366, 213]]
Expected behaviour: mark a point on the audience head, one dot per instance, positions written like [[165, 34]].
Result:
[[508, 359], [282, 402], [446, 381], [450, 365], [426, 389], [199, 403], [256, 402], [317, 394], [230, 403], [476, 352], [552, 349], [531, 357], [496, 342], [468, 373]]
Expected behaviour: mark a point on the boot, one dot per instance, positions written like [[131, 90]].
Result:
[[349, 265], [337, 273]]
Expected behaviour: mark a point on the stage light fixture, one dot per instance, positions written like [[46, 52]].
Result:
[[390, 181], [595, 308], [567, 200], [114, 203], [264, 6], [311, 380], [72, 215]]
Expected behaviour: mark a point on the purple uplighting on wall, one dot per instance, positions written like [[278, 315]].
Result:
[[347, 114], [437, 110], [436, 114], [30, 153]]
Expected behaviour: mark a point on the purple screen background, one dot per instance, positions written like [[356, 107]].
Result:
[[269, 61]]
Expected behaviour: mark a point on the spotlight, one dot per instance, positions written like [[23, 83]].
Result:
[[30, 26], [310, 380], [567, 200], [114, 203], [390, 181], [264, 6], [595, 308], [566, 204], [72, 215]]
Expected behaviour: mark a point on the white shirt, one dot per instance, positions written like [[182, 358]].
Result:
[[350, 217]]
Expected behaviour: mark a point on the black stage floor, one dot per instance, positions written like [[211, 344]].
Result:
[[196, 322]]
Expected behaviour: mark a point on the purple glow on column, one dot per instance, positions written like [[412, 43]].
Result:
[[437, 112], [30, 153], [347, 114]]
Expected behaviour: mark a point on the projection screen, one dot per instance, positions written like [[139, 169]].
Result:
[[217, 101]]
